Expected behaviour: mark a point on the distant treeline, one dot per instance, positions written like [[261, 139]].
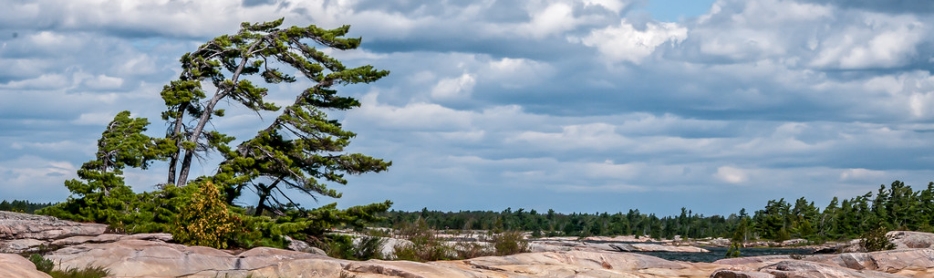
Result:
[[22, 206], [895, 207]]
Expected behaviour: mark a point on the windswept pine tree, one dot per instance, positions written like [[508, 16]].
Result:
[[301, 151], [101, 194]]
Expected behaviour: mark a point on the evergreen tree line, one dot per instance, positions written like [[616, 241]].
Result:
[[896, 207], [22, 206]]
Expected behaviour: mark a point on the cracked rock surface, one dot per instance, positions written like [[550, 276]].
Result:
[[15, 225], [152, 255]]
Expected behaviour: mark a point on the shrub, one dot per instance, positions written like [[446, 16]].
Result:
[[467, 250], [369, 247], [876, 239], [422, 252], [733, 252], [88, 272], [366, 248], [509, 243], [425, 246], [42, 264], [205, 219], [46, 266]]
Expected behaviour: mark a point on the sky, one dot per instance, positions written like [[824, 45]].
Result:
[[577, 106]]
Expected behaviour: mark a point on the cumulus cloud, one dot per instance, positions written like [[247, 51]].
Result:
[[523, 98], [458, 88], [27, 176], [731, 175], [882, 41], [626, 43]]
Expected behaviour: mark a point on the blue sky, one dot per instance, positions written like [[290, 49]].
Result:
[[587, 105]]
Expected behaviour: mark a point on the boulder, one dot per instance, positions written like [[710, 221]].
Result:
[[15, 225], [908, 240], [901, 239], [135, 258], [643, 247], [12, 265], [892, 261], [302, 246], [583, 264], [17, 246], [908, 263], [796, 268], [75, 240], [407, 269], [794, 242], [729, 273]]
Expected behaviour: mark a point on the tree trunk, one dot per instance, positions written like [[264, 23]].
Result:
[[206, 115], [176, 133], [261, 205], [264, 192]]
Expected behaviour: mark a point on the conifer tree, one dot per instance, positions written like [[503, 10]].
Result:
[[101, 195], [257, 49], [301, 149]]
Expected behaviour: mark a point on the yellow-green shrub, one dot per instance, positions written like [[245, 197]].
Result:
[[205, 220]]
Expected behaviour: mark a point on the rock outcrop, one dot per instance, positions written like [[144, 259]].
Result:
[[12, 265], [31, 245], [644, 247], [907, 240], [28, 226], [560, 244], [135, 257], [153, 255], [795, 268], [905, 263], [139, 258], [20, 232]]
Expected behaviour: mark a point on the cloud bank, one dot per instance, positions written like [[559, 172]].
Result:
[[572, 105]]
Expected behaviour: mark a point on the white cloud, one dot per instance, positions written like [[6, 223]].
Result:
[[881, 41], [45, 81], [25, 176], [860, 174], [626, 43], [458, 88], [613, 5], [516, 73], [94, 118], [586, 136], [731, 174], [413, 116], [553, 19], [103, 82]]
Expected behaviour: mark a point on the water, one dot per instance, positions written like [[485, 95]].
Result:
[[717, 253]]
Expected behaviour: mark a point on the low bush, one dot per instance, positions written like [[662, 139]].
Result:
[[428, 246], [425, 246], [88, 272], [733, 252], [467, 250], [46, 266], [509, 243], [876, 239], [345, 247], [42, 264], [205, 220]]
